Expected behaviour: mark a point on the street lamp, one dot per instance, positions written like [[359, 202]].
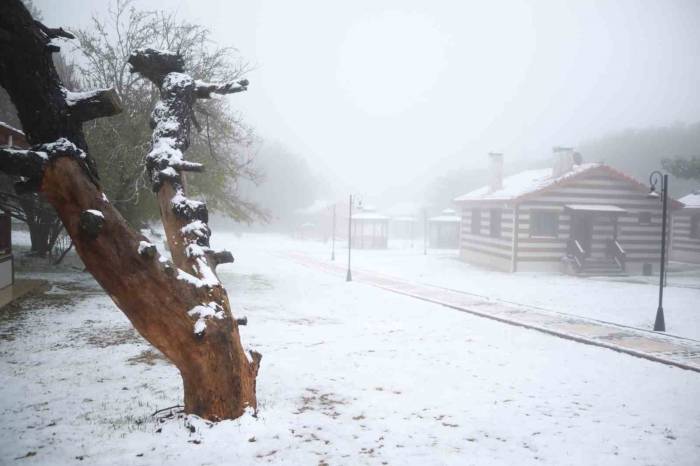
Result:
[[333, 236], [425, 231], [348, 277], [655, 178]]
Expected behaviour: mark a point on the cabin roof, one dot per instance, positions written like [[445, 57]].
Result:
[[369, 216], [600, 208], [446, 216], [530, 183], [692, 200], [11, 128], [526, 182]]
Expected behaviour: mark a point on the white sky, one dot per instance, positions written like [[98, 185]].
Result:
[[378, 93]]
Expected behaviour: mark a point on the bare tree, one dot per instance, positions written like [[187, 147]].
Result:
[[222, 139], [179, 306]]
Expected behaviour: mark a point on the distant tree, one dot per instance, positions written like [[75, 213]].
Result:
[[118, 143], [443, 189], [684, 168], [287, 172], [640, 151]]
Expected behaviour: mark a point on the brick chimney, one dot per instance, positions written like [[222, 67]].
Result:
[[564, 160], [495, 171]]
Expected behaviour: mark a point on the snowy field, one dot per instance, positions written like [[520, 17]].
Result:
[[350, 375], [622, 302]]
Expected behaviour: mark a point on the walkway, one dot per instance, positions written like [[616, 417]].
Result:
[[666, 349]]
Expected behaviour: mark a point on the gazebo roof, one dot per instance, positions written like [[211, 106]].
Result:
[[447, 216], [362, 215]]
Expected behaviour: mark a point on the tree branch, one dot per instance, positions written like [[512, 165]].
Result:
[[85, 106], [155, 64], [53, 33], [27, 163], [204, 90]]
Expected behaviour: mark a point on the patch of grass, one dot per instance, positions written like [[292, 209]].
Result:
[[150, 357]]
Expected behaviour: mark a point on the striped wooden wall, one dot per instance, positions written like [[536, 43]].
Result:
[[640, 241], [482, 248], [683, 247]]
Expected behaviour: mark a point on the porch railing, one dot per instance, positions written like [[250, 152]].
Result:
[[575, 251], [617, 253]]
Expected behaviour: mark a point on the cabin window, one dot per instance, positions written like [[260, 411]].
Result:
[[476, 222], [645, 218], [695, 226], [495, 223], [544, 223]]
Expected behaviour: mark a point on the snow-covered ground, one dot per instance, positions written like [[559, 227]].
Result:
[[626, 302], [350, 375]]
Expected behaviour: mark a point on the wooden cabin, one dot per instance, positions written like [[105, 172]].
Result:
[[582, 218], [369, 229], [685, 230], [9, 137], [12, 137], [7, 269], [443, 230]]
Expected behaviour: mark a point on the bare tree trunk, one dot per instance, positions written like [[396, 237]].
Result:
[[180, 307]]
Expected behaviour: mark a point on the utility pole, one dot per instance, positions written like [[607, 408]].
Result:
[[348, 278]]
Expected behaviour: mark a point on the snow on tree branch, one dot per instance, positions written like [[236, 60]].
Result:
[[31, 163], [85, 106], [53, 33], [203, 90]]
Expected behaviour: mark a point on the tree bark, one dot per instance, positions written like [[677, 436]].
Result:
[[179, 307]]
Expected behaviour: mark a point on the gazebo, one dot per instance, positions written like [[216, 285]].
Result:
[[403, 227], [444, 230], [369, 229]]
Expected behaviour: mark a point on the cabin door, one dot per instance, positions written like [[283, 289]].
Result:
[[582, 230]]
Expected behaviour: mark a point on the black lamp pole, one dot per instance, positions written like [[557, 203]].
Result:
[[654, 178], [333, 237], [348, 277]]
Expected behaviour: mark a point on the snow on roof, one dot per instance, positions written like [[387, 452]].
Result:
[[369, 216], [523, 183], [404, 218], [692, 200], [446, 216], [11, 128], [595, 208]]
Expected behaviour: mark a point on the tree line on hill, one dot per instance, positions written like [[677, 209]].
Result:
[[637, 152]]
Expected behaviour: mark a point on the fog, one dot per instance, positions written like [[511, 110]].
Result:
[[383, 95]]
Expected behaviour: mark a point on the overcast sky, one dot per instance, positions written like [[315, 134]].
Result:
[[378, 93]]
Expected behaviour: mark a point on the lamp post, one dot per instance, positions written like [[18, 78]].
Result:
[[425, 232], [348, 277], [654, 178], [333, 236]]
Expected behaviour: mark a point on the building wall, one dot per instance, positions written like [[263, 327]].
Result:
[[683, 247], [641, 241], [483, 249]]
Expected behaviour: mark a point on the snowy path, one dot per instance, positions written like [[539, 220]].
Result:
[[351, 375], [666, 349], [622, 302]]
